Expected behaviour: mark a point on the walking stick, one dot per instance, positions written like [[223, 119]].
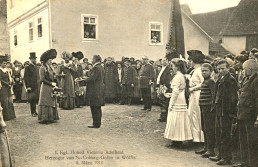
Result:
[[9, 150]]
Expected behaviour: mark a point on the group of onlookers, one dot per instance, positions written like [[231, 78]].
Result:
[[201, 100], [215, 102]]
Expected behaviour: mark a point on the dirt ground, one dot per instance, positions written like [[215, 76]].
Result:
[[128, 137]]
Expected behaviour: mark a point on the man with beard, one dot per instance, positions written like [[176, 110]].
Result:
[[147, 77], [111, 80], [31, 78]]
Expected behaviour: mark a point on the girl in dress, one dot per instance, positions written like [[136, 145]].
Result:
[[178, 122], [196, 59]]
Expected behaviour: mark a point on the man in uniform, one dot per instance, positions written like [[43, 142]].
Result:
[[31, 78], [128, 79], [147, 77]]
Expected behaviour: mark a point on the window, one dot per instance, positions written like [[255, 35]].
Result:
[[15, 41], [156, 33], [39, 27], [30, 31], [89, 27]]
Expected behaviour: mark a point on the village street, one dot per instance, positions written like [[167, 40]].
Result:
[[128, 137]]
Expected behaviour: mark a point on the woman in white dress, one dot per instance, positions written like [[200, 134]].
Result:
[[178, 122], [196, 59]]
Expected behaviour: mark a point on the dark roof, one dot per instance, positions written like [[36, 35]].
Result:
[[218, 48], [243, 20], [213, 22]]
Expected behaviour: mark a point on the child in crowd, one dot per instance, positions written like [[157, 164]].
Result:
[[208, 114]]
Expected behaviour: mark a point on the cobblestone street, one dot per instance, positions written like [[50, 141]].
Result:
[[128, 137]]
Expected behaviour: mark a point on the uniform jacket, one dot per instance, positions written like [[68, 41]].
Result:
[[147, 74], [248, 99], [226, 95], [128, 75], [31, 79], [166, 77], [95, 86]]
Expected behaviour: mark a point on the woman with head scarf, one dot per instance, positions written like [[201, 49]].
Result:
[[47, 101], [5, 90]]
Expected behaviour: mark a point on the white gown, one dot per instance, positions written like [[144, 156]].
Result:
[[194, 108], [178, 121]]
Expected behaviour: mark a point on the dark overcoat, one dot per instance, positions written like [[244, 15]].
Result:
[[226, 95], [248, 100], [95, 86], [111, 80], [31, 79], [166, 77], [128, 76], [147, 73]]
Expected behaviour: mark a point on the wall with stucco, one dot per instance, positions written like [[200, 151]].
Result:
[[39, 45], [234, 44], [194, 38], [123, 27]]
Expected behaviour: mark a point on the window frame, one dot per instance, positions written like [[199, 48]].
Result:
[[15, 35], [31, 28], [161, 33], [38, 27], [96, 25]]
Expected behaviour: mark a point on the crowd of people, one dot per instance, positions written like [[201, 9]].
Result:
[[201, 100]]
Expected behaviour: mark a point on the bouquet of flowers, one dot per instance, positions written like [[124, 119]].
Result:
[[161, 90]]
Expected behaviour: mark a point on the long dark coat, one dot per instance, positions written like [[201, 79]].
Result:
[[31, 79], [147, 73], [248, 100], [226, 95], [95, 86], [128, 75], [166, 77], [111, 80]]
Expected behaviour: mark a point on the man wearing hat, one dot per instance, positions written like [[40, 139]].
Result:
[[127, 82], [31, 78], [147, 77]]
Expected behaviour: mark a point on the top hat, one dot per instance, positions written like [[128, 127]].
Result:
[[32, 55]]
